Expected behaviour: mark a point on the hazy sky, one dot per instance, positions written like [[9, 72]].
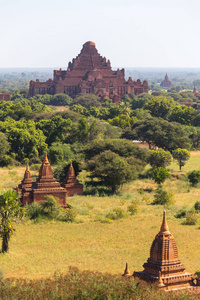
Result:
[[131, 33]]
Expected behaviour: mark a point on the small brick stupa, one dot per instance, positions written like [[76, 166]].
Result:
[[195, 91], [25, 188], [164, 266], [71, 184]]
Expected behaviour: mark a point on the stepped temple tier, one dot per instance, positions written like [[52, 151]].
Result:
[[89, 73], [46, 184], [163, 266]]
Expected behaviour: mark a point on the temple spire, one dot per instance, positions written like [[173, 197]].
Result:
[[164, 227], [126, 271], [45, 158], [27, 167]]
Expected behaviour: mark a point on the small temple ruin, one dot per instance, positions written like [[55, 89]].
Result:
[[89, 73], [166, 82], [46, 184], [164, 266]]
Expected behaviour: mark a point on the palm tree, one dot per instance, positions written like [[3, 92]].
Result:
[[10, 212]]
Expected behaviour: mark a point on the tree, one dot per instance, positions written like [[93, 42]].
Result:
[[160, 174], [159, 158], [10, 212], [182, 156], [182, 114], [159, 132], [194, 177], [160, 106], [111, 169], [55, 129]]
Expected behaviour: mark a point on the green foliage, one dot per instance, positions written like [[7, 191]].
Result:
[[33, 211], [160, 174], [121, 147], [24, 138], [181, 155], [112, 169], [55, 129], [197, 206], [162, 197], [159, 158], [159, 132], [50, 207], [116, 213], [191, 218], [122, 121], [60, 152], [86, 100], [181, 213], [182, 114], [10, 212], [68, 215], [160, 106], [194, 177], [85, 285], [133, 207]]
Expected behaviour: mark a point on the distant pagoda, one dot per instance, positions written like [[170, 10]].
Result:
[[166, 82], [164, 266]]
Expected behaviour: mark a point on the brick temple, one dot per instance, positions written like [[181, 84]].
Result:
[[166, 82], [89, 73], [163, 266], [46, 184]]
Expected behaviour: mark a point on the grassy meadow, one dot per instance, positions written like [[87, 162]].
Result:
[[93, 242]]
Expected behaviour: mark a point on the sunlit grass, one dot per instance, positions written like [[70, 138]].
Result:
[[38, 250]]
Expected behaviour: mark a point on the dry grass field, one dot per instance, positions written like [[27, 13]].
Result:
[[92, 243]]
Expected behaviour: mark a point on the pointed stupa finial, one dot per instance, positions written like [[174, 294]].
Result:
[[160, 281], [126, 271], [45, 158], [164, 227], [27, 167]]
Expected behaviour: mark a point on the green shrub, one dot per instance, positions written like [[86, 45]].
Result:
[[181, 213], [69, 215], [160, 174], [50, 207], [116, 213], [163, 197], [194, 177], [191, 218], [133, 207], [33, 211], [197, 206]]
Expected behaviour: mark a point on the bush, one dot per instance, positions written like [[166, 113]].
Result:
[[191, 218], [50, 207], [116, 213], [194, 177], [59, 153], [162, 197], [160, 174], [69, 215], [181, 213], [33, 211], [133, 207], [197, 206]]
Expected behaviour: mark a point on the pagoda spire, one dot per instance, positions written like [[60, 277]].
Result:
[[164, 229], [126, 271], [45, 159]]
